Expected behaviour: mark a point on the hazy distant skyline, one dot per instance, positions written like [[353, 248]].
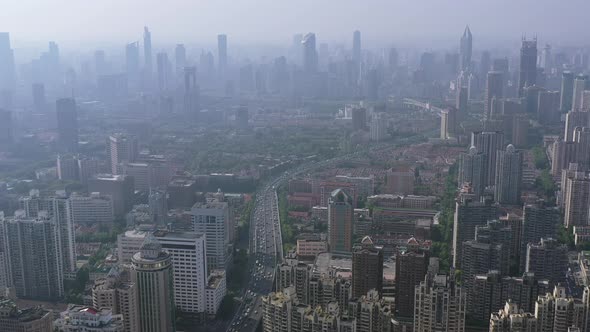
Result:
[[420, 22]]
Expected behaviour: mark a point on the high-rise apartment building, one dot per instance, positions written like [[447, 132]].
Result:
[[567, 92], [547, 259], [367, 268], [578, 91], [574, 119], [448, 123], [340, 222], [33, 319], [488, 143], [440, 305], [410, 269], [512, 318], [559, 312], [527, 76], [119, 296], [191, 92], [494, 89], [310, 55], [472, 171], [212, 219], [548, 107], [538, 221], [121, 149], [151, 272], [508, 176], [92, 210], [577, 200]]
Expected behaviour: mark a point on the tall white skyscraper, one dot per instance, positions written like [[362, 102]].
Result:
[[212, 219]]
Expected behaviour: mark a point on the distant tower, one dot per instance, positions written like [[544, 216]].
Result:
[[488, 142], [461, 102], [67, 124], [121, 149], [448, 123], [465, 49], [7, 67], [39, 102], [147, 51], [222, 54], [5, 128], [494, 89], [310, 55], [567, 91], [151, 272], [472, 170], [578, 90], [340, 219], [132, 64], [180, 56], [509, 176], [577, 196], [191, 92], [528, 65], [356, 47], [164, 71]]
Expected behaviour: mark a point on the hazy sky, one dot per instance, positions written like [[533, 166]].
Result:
[[275, 21]]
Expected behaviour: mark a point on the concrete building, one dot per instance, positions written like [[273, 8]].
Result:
[[494, 90], [119, 296], [508, 176], [577, 200], [567, 91], [82, 318], [311, 246], [410, 269], [212, 219], [151, 271], [215, 292], [67, 168], [558, 312], [90, 210], [378, 127], [472, 171], [512, 319], [527, 76], [15, 319], [465, 50], [448, 123], [36, 264], [538, 221], [340, 219], [574, 119], [488, 143], [547, 260], [119, 187], [439, 305], [67, 124], [578, 90], [367, 268], [121, 148]]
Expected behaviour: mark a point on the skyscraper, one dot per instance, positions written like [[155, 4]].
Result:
[[7, 66], [356, 47], [67, 124], [488, 143], [367, 268], [119, 187], [494, 89], [448, 123], [132, 60], [151, 272], [39, 103], [547, 259], [440, 305], [472, 170], [340, 219], [410, 269], [469, 214], [212, 219], [538, 221], [121, 149], [222, 54], [5, 128], [466, 49], [508, 176], [191, 92], [578, 90], [548, 107], [577, 200], [567, 91], [527, 75], [180, 57], [120, 296], [147, 51], [164, 71], [310, 55], [461, 102], [35, 257]]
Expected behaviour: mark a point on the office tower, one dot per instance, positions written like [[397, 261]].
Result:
[[100, 64], [147, 51], [212, 219], [469, 213], [410, 268], [7, 66], [67, 168], [164, 71], [222, 54], [151, 272], [538, 221], [82, 318], [55, 209], [440, 305], [191, 92], [121, 149], [472, 171], [508, 176], [356, 47], [494, 89], [158, 203], [527, 75], [465, 49], [5, 128], [558, 312], [488, 143], [119, 296], [119, 187], [359, 118], [340, 219], [35, 257], [577, 200], [578, 90], [67, 124], [575, 119], [485, 63], [512, 319], [15, 319], [367, 268], [448, 123], [180, 58], [547, 259], [567, 91], [548, 107], [87, 168], [310, 55], [461, 103], [132, 62], [92, 210], [39, 102]]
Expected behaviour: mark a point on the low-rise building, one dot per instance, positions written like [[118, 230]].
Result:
[[14, 319], [88, 319], [215, 291]]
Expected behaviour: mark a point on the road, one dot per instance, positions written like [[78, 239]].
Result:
[[266, 244]]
